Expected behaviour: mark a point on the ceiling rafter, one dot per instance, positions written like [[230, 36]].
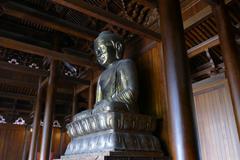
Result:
[[22, 69], [63, 80], [33, 15], [199, 15], [211, 42], [40, 51], [108, 17]]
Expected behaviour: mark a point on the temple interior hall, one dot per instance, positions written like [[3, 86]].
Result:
[[119, 80]]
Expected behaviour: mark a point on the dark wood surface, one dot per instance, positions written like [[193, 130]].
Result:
[[231, 54], [180, 112], [33, 49], [12, 142], [36, 121], [218, 136], [152, 98], [23, 12], [26, 143], [74, 102], [113, 19], [49, 111]]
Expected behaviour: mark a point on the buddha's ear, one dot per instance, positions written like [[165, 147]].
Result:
[[119, 49]]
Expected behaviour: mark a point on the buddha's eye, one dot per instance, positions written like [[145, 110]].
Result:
[[108, 43], [98, 52]]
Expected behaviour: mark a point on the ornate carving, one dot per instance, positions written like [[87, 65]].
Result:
[[117, 121], [113, 141]]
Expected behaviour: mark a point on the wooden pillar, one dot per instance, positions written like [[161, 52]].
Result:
[[36, 121], [62, 137], [48, 115], [230, 53], [75, 103], [180, 112], [91, 92], [26, 143]]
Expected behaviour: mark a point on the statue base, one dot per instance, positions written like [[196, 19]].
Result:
[[117, 156], [112, 135]]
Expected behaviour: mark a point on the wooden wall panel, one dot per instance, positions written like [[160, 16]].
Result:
[[216, 125], [215, 119], [152, 96], [152, 88], [12, 141]]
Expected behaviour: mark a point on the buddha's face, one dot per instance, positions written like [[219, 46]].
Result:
[[105, 52]]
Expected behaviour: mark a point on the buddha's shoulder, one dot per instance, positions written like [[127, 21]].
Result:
[[124, 62]]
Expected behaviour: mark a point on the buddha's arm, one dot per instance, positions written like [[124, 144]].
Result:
[[128, 78], [98, 92]]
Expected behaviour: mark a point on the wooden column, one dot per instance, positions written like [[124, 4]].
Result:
[[91, 92], [75, 103], [36, 121], [48, 115], [62, 139], [180, 112], [231, 56], [26, 143]]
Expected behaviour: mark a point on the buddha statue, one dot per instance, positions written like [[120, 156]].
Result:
[[113, 125], [117, 86]]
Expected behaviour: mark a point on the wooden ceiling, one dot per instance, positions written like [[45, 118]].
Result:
[[34, 31]]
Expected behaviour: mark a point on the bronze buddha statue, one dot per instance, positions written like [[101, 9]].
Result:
[[113, 124], [117, 87]]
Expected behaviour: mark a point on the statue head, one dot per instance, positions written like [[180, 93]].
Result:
[[108, 48]]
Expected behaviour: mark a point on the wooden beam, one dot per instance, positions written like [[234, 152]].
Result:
[[199, 15], [63, 86], [22, 69], [7, 109], [63, 80], [147, 3], [108, 17], [52, 54], [26, 13], [21, 37], [211, 42], [81, 88], [44, 82], [72, 81], [15, 82], [17, 96], [206, 71]]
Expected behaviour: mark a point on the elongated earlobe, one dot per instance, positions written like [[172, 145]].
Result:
[[118, 47]]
